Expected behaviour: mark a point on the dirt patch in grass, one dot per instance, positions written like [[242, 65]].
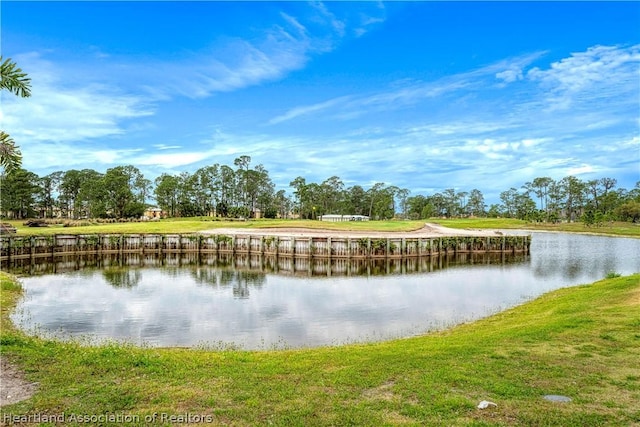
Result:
[[429, 230], [382, 392], [635, 297], [15, 387]]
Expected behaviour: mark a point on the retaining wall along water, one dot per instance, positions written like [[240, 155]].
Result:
[[296, 246]]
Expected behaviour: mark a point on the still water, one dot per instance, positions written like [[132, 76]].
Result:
[[262, 303]]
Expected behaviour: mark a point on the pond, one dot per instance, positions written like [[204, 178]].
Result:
[[264, 303]]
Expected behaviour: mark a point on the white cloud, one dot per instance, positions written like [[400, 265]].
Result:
[[51, 156], [238, 63], [68, 105], [406, 94], [510, 75], [172, 160], [579, 170], [166, 147], [309, 109], [324, 13], [600, 72], [249, 64], [512, 69], [59, 110], [300, 29]]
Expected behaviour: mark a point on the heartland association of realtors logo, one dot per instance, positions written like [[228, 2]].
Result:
[[62, 418]]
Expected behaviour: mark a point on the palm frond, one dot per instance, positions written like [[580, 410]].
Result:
[[10, 155], [14, 79]]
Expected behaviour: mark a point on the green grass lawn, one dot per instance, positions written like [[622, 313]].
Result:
[[192, 225], [626, 229], [582, 342]]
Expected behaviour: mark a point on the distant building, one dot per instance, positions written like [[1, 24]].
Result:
[[341, 218], [154, 213]]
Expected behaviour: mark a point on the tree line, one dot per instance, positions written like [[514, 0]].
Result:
[[243, 190], [541, 200]]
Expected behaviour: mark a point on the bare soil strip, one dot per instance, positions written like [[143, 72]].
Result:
[[429, 230], [13, 386]]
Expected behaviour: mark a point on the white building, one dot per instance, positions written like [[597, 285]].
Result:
[[341, 218]]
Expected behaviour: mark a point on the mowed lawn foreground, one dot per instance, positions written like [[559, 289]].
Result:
[[581, 342]]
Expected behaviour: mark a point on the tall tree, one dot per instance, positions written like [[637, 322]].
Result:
[[332, 195], [139, 185], [260, 190], [592, 187], [92, 199], [525, 207], [76, 189], [607, 185], [556, 194], [476, 205], [226, 185], [539, 187], [451, 202], [375, 193], [282, 204], [385, 206], [242, 163], [15, 81], [17, 197], [574, 191], [356, 201], [48, 188], [415, 206], [509, 202], [403, 194], [166, 193], [187, 202], [300, 193], [439, 205], [313, 199], [207, 187], [118, 185], [462, 199]]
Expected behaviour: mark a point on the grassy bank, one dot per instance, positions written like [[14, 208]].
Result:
[[191, 225], [616, 228], [582, 342]]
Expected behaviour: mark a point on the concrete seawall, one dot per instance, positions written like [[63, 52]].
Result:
[[295, 243]]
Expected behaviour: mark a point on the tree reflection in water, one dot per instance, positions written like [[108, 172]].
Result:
[[248, 270], [239, 280], [122, 277], [243, 272]]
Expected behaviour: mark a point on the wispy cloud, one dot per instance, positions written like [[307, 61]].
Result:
[[508, 138], [496, 125], [600, 73], [511, 133], [233, 64], [309, 109], [403, 94], [77, 100], [60, 110]]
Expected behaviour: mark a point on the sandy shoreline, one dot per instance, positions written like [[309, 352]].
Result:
[[429, 230]]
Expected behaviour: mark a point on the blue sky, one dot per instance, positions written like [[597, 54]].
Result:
[[421, 95]]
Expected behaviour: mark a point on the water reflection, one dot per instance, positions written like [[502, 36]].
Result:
[[121, 277], [582, 258], [264, 302], [117, 266]]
